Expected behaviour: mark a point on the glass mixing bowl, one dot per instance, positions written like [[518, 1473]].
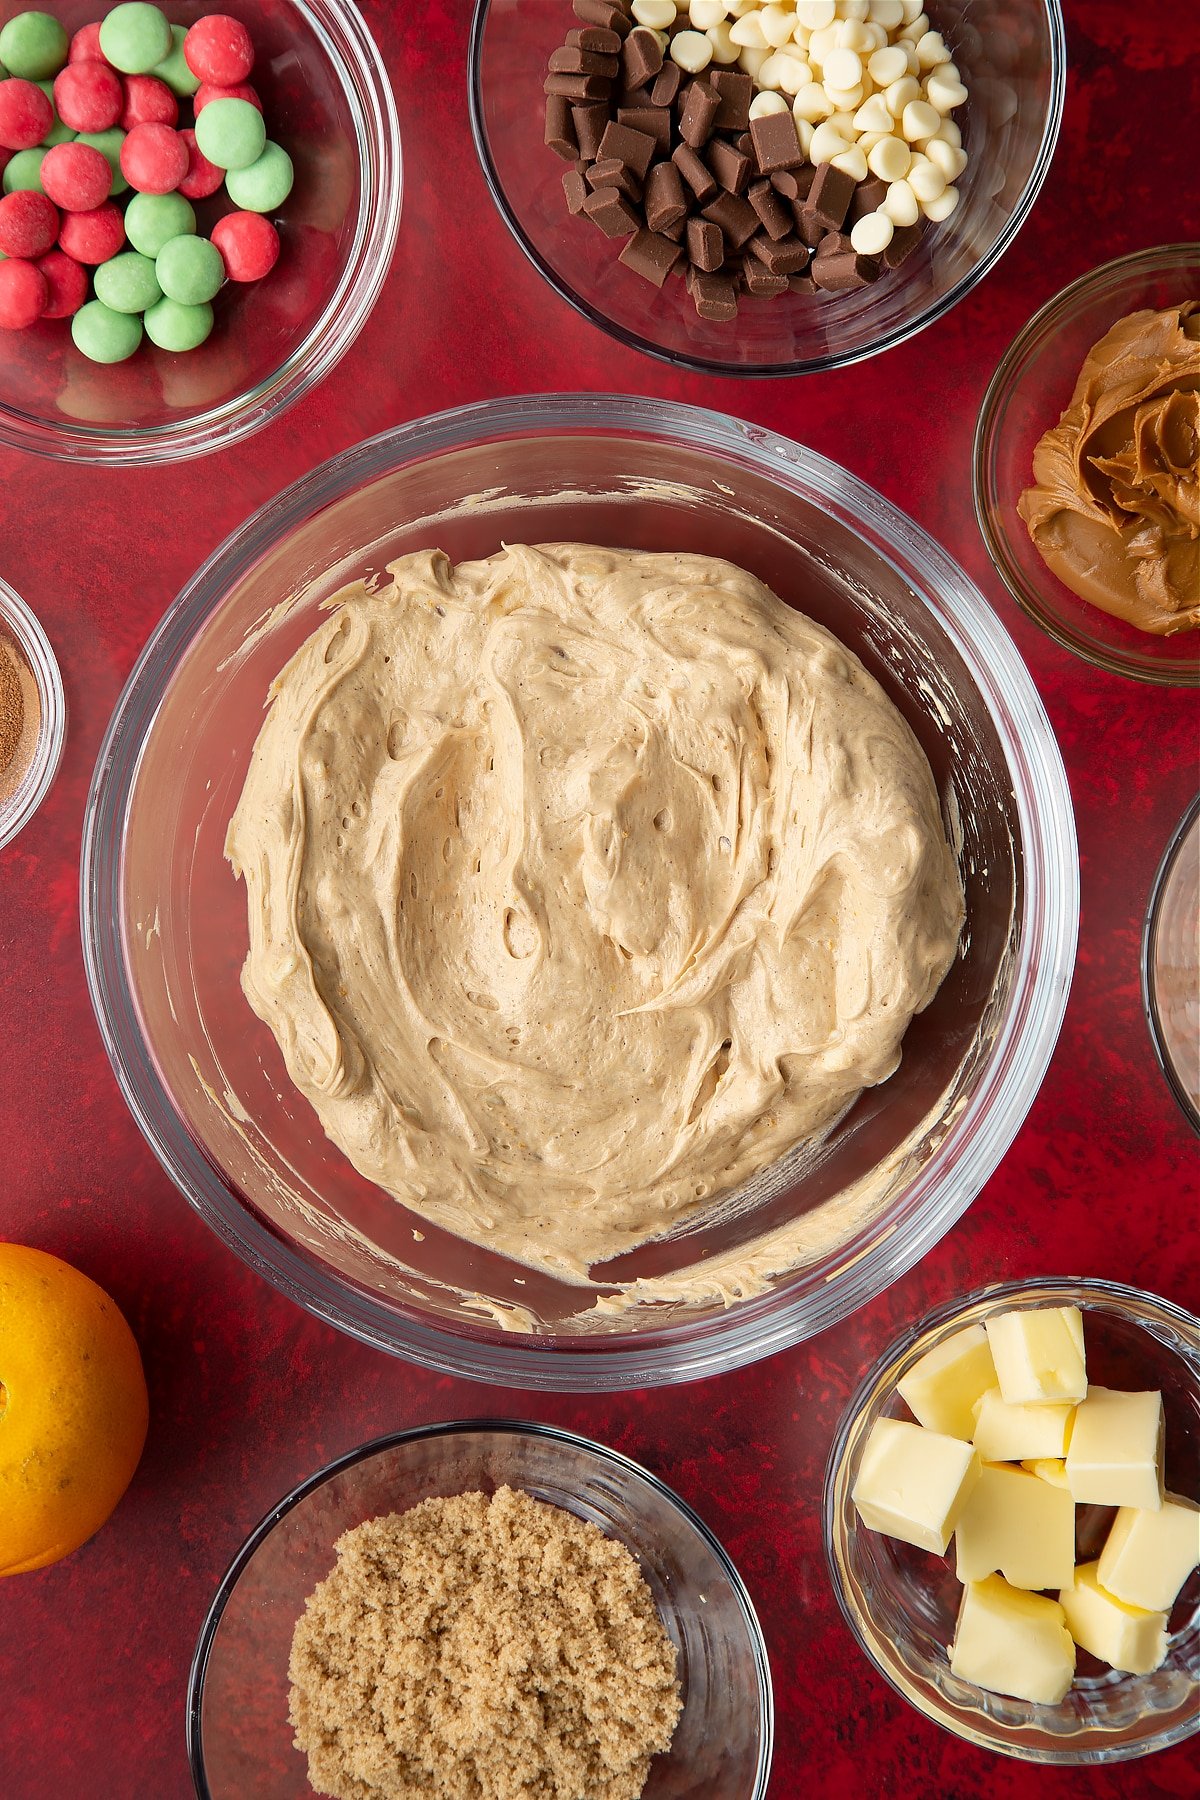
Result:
[[165, 924], [1171, 964], [328, 101], [238, 1733], [30, 645], [1012, 56], [901, 1604]]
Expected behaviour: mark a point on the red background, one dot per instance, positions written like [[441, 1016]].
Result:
[[248, 1394]]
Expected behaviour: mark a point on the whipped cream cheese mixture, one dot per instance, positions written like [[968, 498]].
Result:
[[583, 884]]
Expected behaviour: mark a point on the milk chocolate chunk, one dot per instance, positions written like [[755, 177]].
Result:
[[578, 87], [609, 210], [576, 189], [759, 279], [777, 219], [777, 143], [802, 284], [905, 239], [842, 271], [560, 128], [715, 297], [705, 244], [589, 122], [675, 231], [569, 61], [869, 196], [793, 184], [810, 227], [655, 121], [700, 109], [696, 173], [634, 148], [609, 173], [666, 84], [730, 167], [786, 258], [735, 91], [641, 58], [606, 13], [666, 201], [595, 38], [650, 255], [830, 195], [736, 217]]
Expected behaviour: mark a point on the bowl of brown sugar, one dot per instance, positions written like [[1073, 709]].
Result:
[[33, 714]]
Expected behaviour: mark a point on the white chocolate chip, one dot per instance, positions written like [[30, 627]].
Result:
[[889, 159], [926, 182], [873, 115], [764, 104], [827, 144], [815, 15], [902, 93], [916, 28], [856, 37], [777, 25], [918, 120], [931, 50], [854, 9], [748, 32], [790, 73], [901, 205], [912, 10], [888, 13], [946, 157], [658, 14], [843, 122], [693, 52], [804, 131], [706, 13], [725, 51], [944, 93], [750, 60], [820, 44], [942, 207], [842, 69], [812, 103], [872, 234], [949, 132], [847, 100], [887, 65], [852, 162]]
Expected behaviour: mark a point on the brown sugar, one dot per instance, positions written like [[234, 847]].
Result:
[[482, 1648], [20, 718]]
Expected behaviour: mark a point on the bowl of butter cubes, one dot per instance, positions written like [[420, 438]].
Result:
[[1012, 1520]]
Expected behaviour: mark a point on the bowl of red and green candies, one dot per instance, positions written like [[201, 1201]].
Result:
[[198, 210]]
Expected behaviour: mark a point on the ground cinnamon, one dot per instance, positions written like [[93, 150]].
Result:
[[20, 718]]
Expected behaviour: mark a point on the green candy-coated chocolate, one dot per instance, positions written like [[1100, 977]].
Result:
[[34, 46], [105, 336], [108, 143], [127, 283], [231, 133], [174, 70], [135, 37], [265, 185], [190, 270], [24, 172], [173, 326], [58, 132], [152, 220]]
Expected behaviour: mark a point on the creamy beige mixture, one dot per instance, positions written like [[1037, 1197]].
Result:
[[582, 885]]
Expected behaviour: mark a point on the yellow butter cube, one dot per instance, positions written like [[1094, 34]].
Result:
[[1116, 1449], [913, 1484], [1148, 1556], [1039, 1354], [1011, 1642], [944, 1386], [1047, 1468], [1017, 1526], [1005, 1433], [1125, 1637]]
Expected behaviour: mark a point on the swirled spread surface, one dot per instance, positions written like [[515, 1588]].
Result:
[[582, 885]]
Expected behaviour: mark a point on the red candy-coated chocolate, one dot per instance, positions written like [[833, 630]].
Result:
[[76, 177], [26, 114], [148, 101], [92, 237], [28, 224], [203, 177], [154, 159], [249, 245], [88, 96], [85, 45], [219, 49], [23, 294], [208, 91], [67, 282]]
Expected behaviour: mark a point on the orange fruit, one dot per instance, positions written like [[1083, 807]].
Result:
[[73, 1408]]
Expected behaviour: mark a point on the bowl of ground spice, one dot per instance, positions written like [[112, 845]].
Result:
[[33, 714], [484, 1610]]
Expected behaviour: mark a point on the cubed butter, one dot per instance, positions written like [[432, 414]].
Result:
[[1047, 1468], [1006, 1433], [942, 1389], [913, 1484], [1039, 1354], [1148, 1556], [1116, 1449], [1125, 1637], [1018, 1526], [1011, 1642]]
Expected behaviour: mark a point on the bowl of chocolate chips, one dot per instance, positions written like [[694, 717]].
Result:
[[750, 188]]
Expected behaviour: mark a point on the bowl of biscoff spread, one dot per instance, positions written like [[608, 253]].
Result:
[[33, 714], [580, 891]]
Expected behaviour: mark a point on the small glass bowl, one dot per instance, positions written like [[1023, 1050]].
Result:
[[1171, 964], [1013, 58], [239, 1737], [1028, 394], [901, 1603], [328, 100], [31, 644]]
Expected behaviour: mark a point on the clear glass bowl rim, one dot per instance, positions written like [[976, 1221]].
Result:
[[1149, 937], [990, 425], [1066, 1290], [454, 1428], [975, 1144], [341, 28], [808, 365], [52, 735]]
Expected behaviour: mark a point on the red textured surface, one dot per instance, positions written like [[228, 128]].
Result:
[[248, 1394]]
